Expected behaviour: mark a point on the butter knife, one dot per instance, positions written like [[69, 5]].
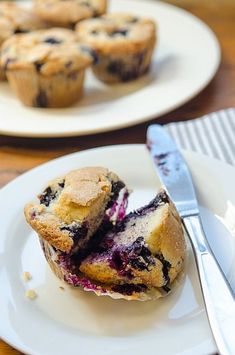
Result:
[[217, 293]]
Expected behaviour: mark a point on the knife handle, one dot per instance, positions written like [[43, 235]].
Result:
[[217, 294]]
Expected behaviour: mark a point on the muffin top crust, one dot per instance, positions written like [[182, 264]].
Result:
[[68, 12], [117, 31], [16, 19], [72, 207], [47, 51]]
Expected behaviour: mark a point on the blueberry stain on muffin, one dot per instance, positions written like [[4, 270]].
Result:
[[51, 40], [41, 99], [47, 196], [129, 289], [38, 66], [122, 32]]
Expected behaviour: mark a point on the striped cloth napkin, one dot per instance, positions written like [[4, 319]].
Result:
[[212, 134]]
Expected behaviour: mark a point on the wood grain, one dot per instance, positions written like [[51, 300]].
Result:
[[18, 155]]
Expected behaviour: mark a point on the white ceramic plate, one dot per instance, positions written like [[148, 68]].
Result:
[[186, 59], [73, 321]]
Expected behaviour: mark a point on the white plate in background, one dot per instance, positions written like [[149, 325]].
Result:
[[76, 322], [187, 57]]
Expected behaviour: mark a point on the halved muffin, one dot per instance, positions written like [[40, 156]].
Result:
[[68, 12], [137, 259], [46, 68], [74, 206], [123, 43]]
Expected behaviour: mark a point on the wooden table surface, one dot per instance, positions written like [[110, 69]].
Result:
[[18, 155]]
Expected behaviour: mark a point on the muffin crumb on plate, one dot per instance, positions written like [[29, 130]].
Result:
[[31, 294], [26, 276]]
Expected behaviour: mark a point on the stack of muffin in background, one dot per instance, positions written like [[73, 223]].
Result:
[[45, 51]]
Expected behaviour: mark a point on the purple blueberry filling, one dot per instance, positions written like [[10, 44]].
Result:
[[121, 209], [47, 196], [76, 279], [118, 203], [158, 201], [73, 277], [33, 215], [124, 258], [116, 188], [123, 32], [136, 255], [166, 288], [114, 67], [38, 66], [165, 267], [126, 71], [41, 99], [76, 232], [91, 52], [140, 255], [61, 184], [52, 40], [129, 289]]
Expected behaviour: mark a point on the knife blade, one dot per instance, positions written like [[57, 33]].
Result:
[[217, 293], [172, 170]]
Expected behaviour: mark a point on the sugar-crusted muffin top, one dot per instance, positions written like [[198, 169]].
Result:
[[117, 31], [69, 11], [85, 185], [47, 51], [73, 206], [14, 19]]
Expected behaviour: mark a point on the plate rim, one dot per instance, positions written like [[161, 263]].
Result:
[[147, 117]]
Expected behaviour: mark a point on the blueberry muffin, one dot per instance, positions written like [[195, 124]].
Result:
[[74, 206], [68, 12], [139, 257], [15, 19], [124, 45], [46, 68]]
